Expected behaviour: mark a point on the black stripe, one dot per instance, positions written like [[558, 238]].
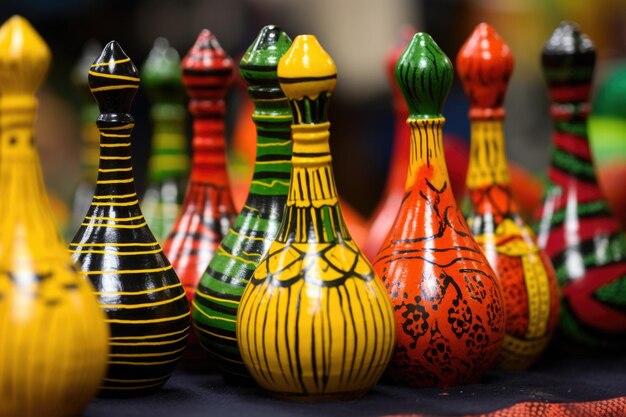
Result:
[[284, 80]]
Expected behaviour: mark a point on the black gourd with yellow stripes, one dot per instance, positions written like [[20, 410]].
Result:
[[53, 335], [314, 323], [145, 302]]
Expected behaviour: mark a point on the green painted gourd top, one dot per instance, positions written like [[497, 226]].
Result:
[[247, 242], [425, 100]]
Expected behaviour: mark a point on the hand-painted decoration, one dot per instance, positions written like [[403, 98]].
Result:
[[529, 287], [448, 303], [207, 212], [388, 207], [168, 166], [90, 150], [145, 302], [247, 242], [53, 346], [577, 228], [315, 323]]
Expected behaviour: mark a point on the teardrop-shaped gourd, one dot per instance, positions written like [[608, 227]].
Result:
[[579, 233], [448, 304], [314, 323], [168, 164], [529, 287], [247, 242], [53, 343], [145, 302]]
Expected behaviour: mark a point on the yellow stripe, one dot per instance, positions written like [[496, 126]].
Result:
[[215, 334], [116, 226], [209, 297], [115, 158], [161, 320], [116, 196], [153, 336], [199, 310], [114, 244], [105, 252], [271, 184], [268, 116], [146, 355], [143, 305], [114, 145], [239, 258], [115, 135], [116, 169], [129, 271], [116, 77], [130, 381], [124, 181], [104, 64], [285, 143], [130, 203], [282, 161], [166, 342], [114, 87], [126, 126], [246, 236], [116, 219], [140, 364]]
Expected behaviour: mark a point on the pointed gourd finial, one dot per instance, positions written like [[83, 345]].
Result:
[[424, 75], [258, 65], [161, 73], [485, 64], [207, 69], [568, 57], [24, 57], [306, 70], [113, 80]]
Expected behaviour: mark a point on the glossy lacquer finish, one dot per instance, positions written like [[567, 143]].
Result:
[[388, 207], [168, 165], [207, 213], [53, 342], [577, 228], [90, 147], [145, 302], [529, 286], [314, 323], [448, 304], [247, 242]]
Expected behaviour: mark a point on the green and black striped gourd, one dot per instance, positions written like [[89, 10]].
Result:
[[147, 310], [247, 242]]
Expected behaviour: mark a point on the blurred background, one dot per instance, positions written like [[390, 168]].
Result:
[[358, 35]]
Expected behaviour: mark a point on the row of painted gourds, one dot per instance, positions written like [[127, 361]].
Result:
[[288, 294]]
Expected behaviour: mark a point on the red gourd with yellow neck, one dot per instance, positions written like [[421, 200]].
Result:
[[529, 286], [447, 301]]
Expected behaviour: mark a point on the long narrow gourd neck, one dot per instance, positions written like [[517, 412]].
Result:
[[115, 173], [209, 146], [487, 163], [272, 118], [570, 152], [168, 158], [427, 158]]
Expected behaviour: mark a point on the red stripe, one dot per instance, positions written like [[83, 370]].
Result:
[[584, 191], [587, 229], [573, 144], [570, 93]]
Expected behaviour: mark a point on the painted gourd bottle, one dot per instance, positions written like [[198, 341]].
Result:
[[208, 212], [168, 165], [529, 287], [448, 303], [314, 323], [53, 347], [145, 302], [247, 242], [393, 194], [577, 229], [90, 147]]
